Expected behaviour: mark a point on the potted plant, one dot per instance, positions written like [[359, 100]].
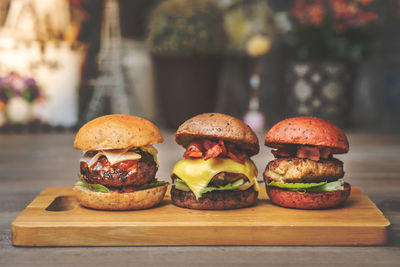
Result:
[[328, 39], [186, 40]]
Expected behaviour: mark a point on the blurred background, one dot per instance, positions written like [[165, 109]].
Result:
[[64, 62]]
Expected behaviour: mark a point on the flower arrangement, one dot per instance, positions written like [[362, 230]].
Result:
[[331, 29], [185, 27], [17, 95], [249, 25]]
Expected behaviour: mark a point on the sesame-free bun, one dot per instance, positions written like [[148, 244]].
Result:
[[307, 131], [308, 201], [117, 131], [218, 126], [141, 199]]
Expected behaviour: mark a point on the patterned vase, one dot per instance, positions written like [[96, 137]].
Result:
[[321, 89]]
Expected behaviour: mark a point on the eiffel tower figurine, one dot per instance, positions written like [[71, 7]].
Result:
[[110, 83]]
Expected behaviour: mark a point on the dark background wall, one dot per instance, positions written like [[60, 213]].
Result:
[[375, 94]]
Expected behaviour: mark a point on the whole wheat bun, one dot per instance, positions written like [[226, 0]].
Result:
[[117, 131], [307, 131], [218, 126], [141, 199], [308, 201]]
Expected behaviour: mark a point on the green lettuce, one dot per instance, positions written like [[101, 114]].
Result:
[[332, 186], [93, 187], [153, 183], [101, 188], [181, 185], [294, 185], [310, 187]]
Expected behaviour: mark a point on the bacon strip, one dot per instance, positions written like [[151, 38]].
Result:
[[235, 154], [287, 151], [193, 154], [223, 147], [308, 152], [195, 150], [210, 149], [213, 152], [325, 152]]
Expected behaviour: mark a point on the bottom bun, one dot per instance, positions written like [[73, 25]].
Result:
[[141, 199], [215, 200], [308, 201]]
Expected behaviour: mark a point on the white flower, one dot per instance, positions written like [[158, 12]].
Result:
[[18, 110], [282, 22]]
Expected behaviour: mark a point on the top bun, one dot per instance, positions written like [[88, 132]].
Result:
[[218, 126], [307, 131], [117, 131]]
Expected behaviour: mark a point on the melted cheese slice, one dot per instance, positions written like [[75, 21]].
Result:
[[115, 156], [197, 173]]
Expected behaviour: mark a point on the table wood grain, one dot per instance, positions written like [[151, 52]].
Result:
[[30, 163]]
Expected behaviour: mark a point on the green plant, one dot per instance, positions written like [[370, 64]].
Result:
[[186, 27], [332, 29]]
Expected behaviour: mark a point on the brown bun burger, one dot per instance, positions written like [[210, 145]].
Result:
[[119, 164], [216, 172], [305, 175]]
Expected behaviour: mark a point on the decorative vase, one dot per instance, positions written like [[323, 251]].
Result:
[[321, 89], [186, 86]]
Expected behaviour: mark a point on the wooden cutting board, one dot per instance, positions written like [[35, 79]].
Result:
[[54, 218]]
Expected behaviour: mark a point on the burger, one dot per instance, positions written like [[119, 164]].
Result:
[[304, 174], [216, 172], [118, 164]]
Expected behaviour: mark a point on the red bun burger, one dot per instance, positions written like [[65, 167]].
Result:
[[118, 164], [304, 174], [216, 172]]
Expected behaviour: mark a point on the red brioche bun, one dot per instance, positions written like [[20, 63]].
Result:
[[307, 131], [308, 201]]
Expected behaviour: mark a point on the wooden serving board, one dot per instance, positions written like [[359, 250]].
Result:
[[54, 218]]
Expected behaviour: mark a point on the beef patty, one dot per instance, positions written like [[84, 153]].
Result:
[[125, 173], [303, 170], [215, 200]]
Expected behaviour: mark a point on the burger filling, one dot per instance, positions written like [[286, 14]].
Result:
[[304, 169], [120, 170], [214, 165]]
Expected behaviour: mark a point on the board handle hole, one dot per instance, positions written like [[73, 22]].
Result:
[[62, 203]]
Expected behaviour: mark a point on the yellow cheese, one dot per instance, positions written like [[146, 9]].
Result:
[[151, 150], [118, 155], [197, 173]]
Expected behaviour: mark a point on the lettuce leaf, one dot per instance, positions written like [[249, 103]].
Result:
[[153, 183], [181, 185], [294, 185], [310, 187], [93, 187], [328, 187], [101, 188]]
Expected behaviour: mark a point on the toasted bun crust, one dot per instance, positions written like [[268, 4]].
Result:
[[307, 131], [142, 199], [116, 131], [308, 201], [215, 200], [218, 126]]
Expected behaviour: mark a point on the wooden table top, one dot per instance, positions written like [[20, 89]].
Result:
[[30, 163]]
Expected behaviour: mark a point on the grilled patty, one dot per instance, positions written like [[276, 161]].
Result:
[[127, 173], [303, 170], [215, 200]]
